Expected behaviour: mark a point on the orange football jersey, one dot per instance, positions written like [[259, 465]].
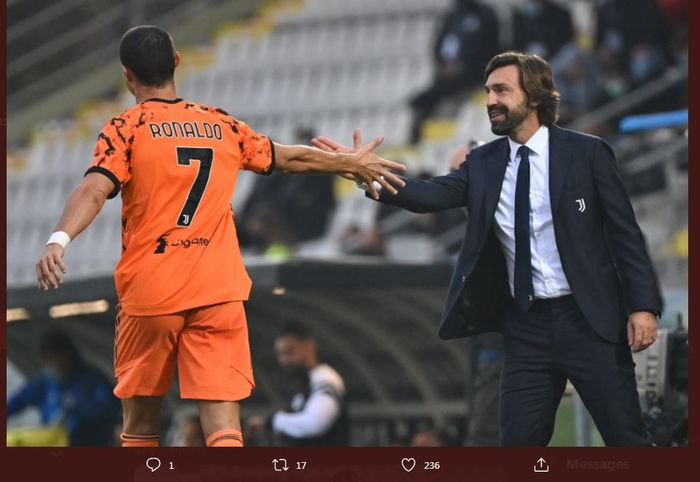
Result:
[[176, 163]]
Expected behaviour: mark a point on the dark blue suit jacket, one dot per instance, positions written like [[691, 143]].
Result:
[[601, 246]]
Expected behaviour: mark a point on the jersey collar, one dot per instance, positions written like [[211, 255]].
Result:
[[167, 101]]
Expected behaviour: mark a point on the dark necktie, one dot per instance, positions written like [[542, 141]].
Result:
[[522, 279]]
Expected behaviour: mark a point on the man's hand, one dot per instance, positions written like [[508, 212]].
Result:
[[330, 145], [50, 268], [641, 330], [370, 167]]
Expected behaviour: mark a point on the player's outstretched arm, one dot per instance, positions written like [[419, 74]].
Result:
[[362, 164], [83, 205], [432, 195]]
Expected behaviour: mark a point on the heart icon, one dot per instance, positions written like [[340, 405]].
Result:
[[408, 464]]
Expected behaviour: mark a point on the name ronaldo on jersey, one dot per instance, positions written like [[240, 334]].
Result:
[[185, 130]]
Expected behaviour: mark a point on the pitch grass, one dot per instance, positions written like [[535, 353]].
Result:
[[564, 431]]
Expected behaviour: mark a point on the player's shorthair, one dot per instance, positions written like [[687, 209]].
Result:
[[536, 80], [148, 51]]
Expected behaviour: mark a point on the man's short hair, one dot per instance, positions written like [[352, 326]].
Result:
[[148, 51], [297, 329]]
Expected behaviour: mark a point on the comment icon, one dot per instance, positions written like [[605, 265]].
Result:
[[153, 463]]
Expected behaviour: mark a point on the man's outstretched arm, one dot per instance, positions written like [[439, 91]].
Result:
[[361, 164], [83, 205], [436, 194]]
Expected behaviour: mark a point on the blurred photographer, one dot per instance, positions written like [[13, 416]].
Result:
[[317, 413]]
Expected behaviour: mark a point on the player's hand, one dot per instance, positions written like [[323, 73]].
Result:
[[641, 330], [369, 166], [329, 145], [51, 268]]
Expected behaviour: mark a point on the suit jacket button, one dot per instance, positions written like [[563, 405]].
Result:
[[464, 278]]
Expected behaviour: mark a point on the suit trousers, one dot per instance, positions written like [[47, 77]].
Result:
[[547, 345]]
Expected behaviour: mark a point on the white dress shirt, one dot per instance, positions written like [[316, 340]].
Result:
[[548, 277]]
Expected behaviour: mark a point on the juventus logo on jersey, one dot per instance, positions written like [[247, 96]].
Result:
[[581, 205]]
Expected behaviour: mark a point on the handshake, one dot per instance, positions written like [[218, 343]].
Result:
[[371, 172]]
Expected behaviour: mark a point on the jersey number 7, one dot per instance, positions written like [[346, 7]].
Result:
[[185, 156]]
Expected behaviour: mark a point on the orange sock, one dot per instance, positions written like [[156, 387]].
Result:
[[129, 440], [225, 438]]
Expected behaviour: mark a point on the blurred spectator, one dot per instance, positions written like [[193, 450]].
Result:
[[400, 235], [623, 26], [16, 380], [69, 392], [578, 76], [635, 42], [645, 63], [459, 156], [461, 153], [317, 414], [541, 27], [356, 228], [283, 210], [466, 41]]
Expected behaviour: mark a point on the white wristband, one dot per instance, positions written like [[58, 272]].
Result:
[[59, 237]]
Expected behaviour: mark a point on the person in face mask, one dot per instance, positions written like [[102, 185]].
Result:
[[466, 40], [646, 62], [542, 27], [317, 414], [69, 392]]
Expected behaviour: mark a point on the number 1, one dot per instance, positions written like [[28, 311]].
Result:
[[185, 156]]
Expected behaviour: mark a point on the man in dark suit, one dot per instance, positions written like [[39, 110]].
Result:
[[552, 257]]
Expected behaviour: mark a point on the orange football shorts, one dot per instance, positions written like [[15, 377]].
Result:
[[209, 345]]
